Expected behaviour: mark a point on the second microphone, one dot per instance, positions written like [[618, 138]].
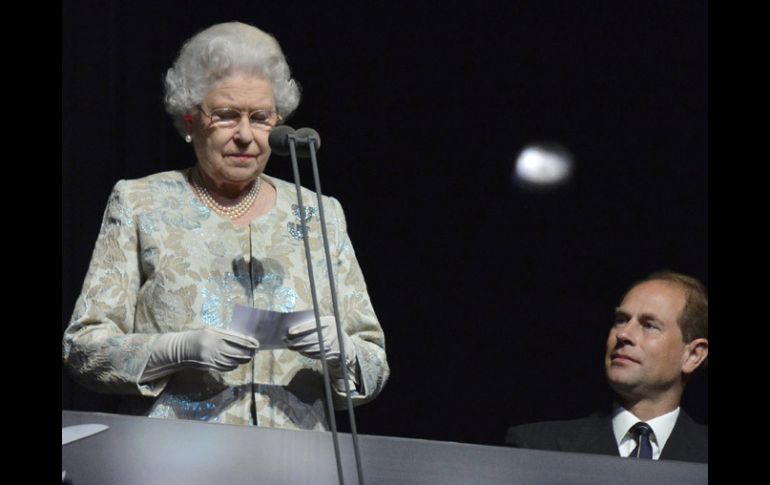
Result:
[[282, 135]]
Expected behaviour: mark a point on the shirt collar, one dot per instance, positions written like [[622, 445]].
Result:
[[662, 426]]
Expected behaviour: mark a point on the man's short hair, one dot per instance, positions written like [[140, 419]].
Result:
[[694, 319]]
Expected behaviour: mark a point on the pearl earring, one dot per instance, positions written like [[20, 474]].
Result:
[[187, 138]]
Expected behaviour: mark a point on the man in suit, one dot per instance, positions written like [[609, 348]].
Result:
[[659, 338]]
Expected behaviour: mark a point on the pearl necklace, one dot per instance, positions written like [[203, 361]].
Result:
[[232, 212]]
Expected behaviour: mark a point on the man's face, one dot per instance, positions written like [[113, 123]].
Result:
[[645, 349]]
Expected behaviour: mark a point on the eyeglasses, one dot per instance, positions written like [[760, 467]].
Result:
[[264, 119]]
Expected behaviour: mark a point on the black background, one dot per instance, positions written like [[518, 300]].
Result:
[[496, 302]]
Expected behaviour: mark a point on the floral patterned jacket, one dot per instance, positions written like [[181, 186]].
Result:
[[164, 262]]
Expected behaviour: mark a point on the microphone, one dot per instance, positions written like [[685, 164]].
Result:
[[303, 137], [281, 136], [306, 135], [279, 139]]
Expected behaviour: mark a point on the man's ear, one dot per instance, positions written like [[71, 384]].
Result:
[[695, 353]]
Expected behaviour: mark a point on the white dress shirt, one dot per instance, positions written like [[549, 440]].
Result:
[[623, 420]]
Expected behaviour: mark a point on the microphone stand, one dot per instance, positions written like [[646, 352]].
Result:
[[335, 306], [311, 141]]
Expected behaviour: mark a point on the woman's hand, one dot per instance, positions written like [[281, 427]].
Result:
[[205, 349], [303, 338]]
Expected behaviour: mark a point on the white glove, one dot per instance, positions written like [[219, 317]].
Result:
[[303, 338], [205, 349]]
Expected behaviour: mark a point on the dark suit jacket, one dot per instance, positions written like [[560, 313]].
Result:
[[593, 434]]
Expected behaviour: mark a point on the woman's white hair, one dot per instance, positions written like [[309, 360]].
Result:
[[221, 51]]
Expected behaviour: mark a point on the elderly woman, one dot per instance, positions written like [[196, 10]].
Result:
[[178, 250]]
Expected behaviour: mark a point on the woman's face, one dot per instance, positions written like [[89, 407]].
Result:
[[232, 156]]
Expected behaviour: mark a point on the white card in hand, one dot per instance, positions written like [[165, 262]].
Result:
[[268, 327]]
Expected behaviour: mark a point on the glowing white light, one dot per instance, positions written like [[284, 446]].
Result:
[[543, 165]]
